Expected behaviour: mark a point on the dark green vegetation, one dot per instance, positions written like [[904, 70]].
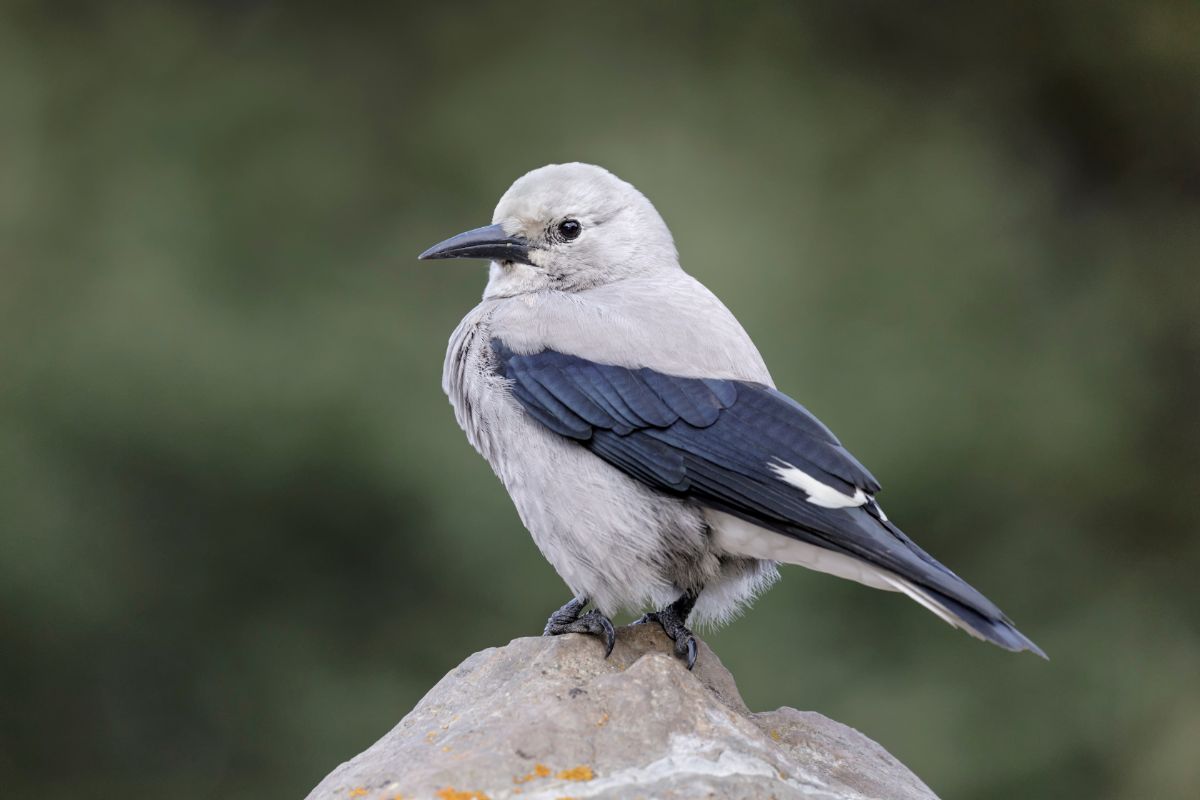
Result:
[[240, 533]]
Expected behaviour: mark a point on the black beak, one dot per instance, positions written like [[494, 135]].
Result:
[[490, 242]]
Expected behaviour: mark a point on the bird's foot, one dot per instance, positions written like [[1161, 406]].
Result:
[[568, 620], [673, 620]]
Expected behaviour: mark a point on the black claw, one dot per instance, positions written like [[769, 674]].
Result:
[[673, 620], [568, 620], [564, 616], [608, 632], [691, 651]]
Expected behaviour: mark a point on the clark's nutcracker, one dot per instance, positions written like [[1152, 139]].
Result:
[[639, 432]]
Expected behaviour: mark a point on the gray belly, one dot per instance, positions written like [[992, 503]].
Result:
[[613, 540]]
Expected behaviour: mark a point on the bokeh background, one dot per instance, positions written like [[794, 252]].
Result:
[[240, 533]]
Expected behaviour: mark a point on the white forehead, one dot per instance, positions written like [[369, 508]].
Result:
[[559, 190]]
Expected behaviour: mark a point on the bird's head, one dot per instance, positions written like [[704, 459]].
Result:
[[566, 227]]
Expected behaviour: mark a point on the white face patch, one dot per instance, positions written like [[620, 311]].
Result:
[[819, 494]]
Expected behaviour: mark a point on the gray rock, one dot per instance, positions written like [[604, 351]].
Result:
[[547, 718]]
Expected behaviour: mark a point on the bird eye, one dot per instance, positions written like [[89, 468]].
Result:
[[569, 229]]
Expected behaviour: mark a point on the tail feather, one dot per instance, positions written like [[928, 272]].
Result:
[[999, 631], [786, 544]]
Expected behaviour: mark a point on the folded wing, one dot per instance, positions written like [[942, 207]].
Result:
[[742, 448]]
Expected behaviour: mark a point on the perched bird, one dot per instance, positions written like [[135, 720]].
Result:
[[640, 435]]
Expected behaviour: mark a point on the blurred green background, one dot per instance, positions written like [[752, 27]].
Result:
[[241, 534]]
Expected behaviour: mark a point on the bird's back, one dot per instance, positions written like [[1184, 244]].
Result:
[[665, 320], [613, 539]]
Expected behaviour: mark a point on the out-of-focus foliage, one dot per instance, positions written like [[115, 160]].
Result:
[[240, 533]]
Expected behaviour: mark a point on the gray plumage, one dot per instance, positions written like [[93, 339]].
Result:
[[638, 503]]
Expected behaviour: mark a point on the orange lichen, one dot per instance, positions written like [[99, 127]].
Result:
[[581, 773], [775, 735], [603, 720], [450, 793], [357, 791], [539, 771]]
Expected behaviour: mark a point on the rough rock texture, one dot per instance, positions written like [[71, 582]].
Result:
[[547, 718]]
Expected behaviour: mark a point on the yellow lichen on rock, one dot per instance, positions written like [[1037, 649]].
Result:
[[539, 771], [450, 793], [581, 773]]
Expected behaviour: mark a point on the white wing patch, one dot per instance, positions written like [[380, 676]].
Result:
[[819, 494]]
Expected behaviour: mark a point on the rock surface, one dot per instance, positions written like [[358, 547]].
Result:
[[547, 718]]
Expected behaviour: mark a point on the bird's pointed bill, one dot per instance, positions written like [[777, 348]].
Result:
[[489, 242]]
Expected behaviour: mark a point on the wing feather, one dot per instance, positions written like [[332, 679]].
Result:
[[719, 443]]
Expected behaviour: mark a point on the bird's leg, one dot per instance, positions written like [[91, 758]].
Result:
[[568, 620], [673, 619]]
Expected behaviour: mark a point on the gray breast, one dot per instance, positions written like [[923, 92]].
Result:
[[611, 538]]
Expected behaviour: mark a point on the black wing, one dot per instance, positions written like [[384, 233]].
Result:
[[721, 443]]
